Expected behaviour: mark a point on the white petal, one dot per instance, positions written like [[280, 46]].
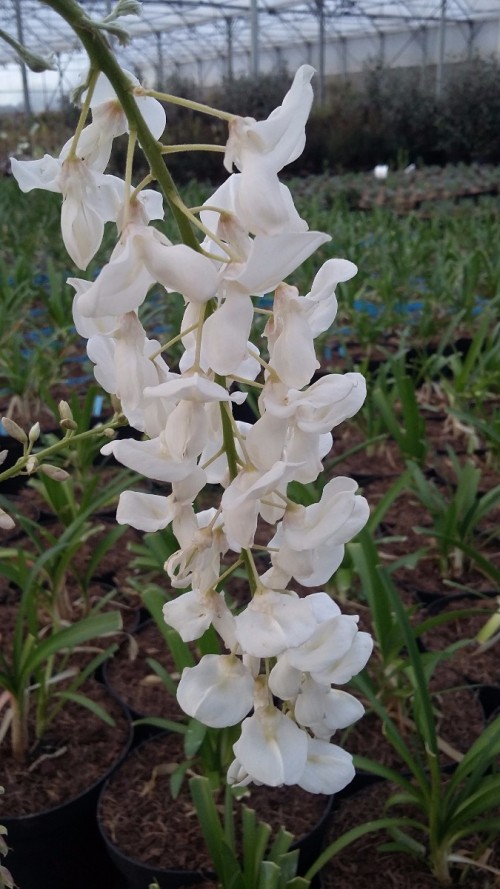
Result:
[[327, 645], [351, 663], [225, 334], [273, 258], [190, 614], [218, 691], [328, 768], [42, 173], [271, 748], [181, 269], [273, 622], [146, 512], [149, 459]]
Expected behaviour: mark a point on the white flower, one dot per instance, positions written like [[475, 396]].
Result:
[[218, 691], [341, 669], [322, 406], [271, 749], [324, 710], [240, 502], [247, 216], [381, 171], [269, 261], [311, 539], [330, 642], [328, 768], [192, 613], [281, 138], [261, 149], [272, 622], [142, 257], [90, 199]]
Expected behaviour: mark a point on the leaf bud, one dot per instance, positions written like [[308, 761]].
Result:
[[15, 431]]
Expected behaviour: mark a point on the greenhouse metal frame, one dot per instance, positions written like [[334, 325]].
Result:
[[208, 40]]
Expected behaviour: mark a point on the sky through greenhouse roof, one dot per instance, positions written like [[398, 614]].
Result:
[[174, 32]]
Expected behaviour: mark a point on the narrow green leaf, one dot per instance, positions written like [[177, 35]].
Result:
[[86, 702]]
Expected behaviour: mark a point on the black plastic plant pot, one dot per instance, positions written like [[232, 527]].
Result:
[[140, 875], [61, 848]]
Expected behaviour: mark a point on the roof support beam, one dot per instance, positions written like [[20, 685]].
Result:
[[254, 26], [24, 74]]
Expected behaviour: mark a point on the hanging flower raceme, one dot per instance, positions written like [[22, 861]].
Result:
[[281, 654]]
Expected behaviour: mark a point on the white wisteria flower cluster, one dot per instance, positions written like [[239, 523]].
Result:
[[285, 657]]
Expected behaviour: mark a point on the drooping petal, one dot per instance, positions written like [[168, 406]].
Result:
[[218, 691], [271, 748], [42, 173], [190, 614], [150, 459], [146, 512], [328, 768], [225, 335]]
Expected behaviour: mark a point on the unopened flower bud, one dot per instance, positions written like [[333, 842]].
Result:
[[108, 433], [65, 411], [68, 424], [54, 472], [34, 433], [3, 456], [31, 465], [6, 522], [15, 431]]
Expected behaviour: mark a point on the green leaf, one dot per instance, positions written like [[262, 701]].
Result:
[[209, 820], [70, 637], [195, 735], [86, 702], [355, 834]]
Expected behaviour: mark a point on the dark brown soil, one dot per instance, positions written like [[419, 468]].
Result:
[[76, 752], [137, 812], [362, 864], [132, 678]]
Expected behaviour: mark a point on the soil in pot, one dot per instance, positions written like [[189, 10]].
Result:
[[139, 818], [49, 803], [459, 721], [129, 675], [361, 864]]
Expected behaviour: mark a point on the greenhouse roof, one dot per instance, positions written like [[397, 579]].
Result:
[[199, 27]]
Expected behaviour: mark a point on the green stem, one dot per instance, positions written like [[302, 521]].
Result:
[[61, 445], [189, 103], [191, 146], [101, 57], [19, 732]]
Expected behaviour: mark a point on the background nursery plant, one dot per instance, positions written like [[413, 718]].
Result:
[[231, 388]]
